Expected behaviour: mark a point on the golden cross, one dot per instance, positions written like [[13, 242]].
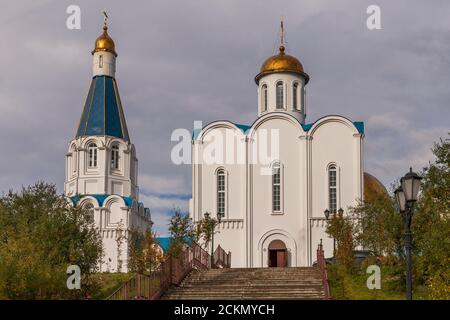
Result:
[[106, 17], [281, 32]]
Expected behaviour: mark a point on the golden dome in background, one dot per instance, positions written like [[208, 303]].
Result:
[[105, 43], [281, 62], [373, 188]]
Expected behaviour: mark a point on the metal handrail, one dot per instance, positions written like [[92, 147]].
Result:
[[321, 264], [170, 272]]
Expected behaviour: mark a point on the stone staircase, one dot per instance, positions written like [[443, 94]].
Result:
[[254, 283]]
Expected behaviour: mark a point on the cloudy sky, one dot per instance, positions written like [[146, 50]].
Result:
[[186, 60]]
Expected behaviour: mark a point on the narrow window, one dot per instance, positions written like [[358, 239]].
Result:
[[294, 96], [279, 95], [332, 189], [221, 192], [100, 61], [264, 97], [276, 187], [73, 162], [303, 99], [92, 155], [115, 157]]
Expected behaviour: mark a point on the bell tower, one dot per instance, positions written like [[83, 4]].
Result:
[[281, 84], [101, 157]]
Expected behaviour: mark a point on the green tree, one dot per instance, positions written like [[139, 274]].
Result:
[[41, 234], [379, 227], [144, 255], [205, 229], [181, 231], [431, 224]]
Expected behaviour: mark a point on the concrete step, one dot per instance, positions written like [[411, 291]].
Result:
[[253, 283]]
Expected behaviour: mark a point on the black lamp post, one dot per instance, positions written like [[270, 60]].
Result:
[[406, 196], [219, 218]]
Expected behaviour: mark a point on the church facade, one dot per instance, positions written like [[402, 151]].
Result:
[[101, 163], [272, 212]]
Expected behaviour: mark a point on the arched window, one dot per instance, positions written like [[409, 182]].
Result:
[[73, 159], [92, 155], [115, 157], [264, 97], [332, 188], [89, 207], [221, 192], [276, 187], [100, 61], [303, 99], [280, 95], [295, 96]]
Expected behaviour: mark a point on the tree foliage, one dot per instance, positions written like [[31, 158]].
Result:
[[380, 227], [41, 234], [144, 253], [181, 231], [341, 228], [205, 229]]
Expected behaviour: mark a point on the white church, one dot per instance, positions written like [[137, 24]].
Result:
[[273, 211], [101, 164]]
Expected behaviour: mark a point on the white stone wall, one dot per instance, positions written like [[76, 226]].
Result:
[[304, 157], [104, 64], [80, 179]]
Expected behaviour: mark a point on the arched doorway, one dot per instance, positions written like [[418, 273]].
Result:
[[277, 254]]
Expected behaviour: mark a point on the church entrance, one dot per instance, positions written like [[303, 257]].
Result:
[[277, 254]]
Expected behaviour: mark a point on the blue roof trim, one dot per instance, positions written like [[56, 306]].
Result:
[[307, 126], [359, 126], [101, 199], [243, 127], [128, 201], [102, 112]]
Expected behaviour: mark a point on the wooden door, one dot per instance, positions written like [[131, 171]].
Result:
[[281, 258]]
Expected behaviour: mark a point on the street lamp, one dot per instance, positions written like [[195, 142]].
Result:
[[219, 218], [406, 196]]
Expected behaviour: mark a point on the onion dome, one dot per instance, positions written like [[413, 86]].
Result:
[[373, 188], [281, 62], [105, 42]]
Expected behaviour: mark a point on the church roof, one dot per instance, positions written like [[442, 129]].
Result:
[[359, 125], [102, 112]]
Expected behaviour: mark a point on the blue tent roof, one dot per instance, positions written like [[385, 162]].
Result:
[[164, 242], [102, 112]]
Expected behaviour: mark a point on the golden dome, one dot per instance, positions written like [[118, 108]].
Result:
[[281, 62], [105, 43], [373, 188]]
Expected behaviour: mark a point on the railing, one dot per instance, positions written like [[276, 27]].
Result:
[[171, 272], [222, 259], [321, 264], [139, 287]]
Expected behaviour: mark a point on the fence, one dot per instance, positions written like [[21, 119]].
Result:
[[221, 258], [321, 264], [172, 271]]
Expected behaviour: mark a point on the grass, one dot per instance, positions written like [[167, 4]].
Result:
[[353, 286], [108, 283]]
